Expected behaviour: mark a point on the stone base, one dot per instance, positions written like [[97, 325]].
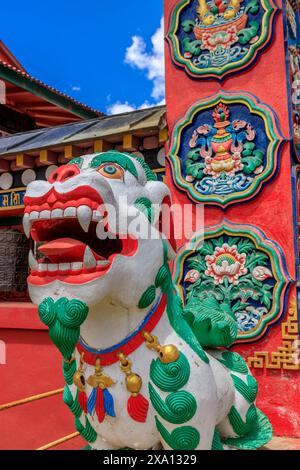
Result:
[[283, 443]]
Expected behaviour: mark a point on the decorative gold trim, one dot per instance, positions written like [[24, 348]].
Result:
[[287, 356], [59, 441], [12, 190], [163, 135], [30, 399]]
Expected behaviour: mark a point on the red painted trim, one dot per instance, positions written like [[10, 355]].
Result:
[[128, 348], [20, 316], [53, 196], [7, 56], [11, 212]]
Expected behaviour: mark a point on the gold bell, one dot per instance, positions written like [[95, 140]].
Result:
[[78, 377], [166, 354], [137, 404], [133, 381]]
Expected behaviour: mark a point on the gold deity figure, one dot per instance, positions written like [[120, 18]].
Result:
[[232, 9], [204, 13], [208, 14]]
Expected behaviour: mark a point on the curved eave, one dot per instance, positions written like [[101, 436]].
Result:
[[39, 89]]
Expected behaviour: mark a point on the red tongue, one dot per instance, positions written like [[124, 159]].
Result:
[[65, 250]]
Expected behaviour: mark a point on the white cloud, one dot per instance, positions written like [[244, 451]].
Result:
[[152, 63], [118, 108], [75, 88]]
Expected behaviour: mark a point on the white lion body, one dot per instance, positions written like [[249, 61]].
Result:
[[114, 313]]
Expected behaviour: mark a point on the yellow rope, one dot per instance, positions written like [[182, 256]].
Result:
[[59, 441], [30, 399]]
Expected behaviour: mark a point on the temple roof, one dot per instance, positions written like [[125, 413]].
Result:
[[7, 56], [145, 122], [44, 103]]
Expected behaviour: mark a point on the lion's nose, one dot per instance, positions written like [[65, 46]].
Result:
[[63, 173]]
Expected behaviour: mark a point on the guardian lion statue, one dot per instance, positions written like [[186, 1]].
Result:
[[138, 369]]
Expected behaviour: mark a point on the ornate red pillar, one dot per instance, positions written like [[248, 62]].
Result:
[[232, 107]]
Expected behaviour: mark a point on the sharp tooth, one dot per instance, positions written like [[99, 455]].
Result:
[[27, 225], [32, 261], [84, 215], [45, 215], [57, 214], [70, 212], [64, 266], [34, 215], [76, 266], [89, 260]]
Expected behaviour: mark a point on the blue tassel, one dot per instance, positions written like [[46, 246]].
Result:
[[92, 401], [109, 403]]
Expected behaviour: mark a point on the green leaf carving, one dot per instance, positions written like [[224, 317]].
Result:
[[240, 427], [213, 324], [72, 404], [252, 7], [87, 431], [193, 166], [69, 370], [147, 298], [234, 362], [260, 434], [188, 25], [194, 47], [248, 33], [251, 163], [247, 389]]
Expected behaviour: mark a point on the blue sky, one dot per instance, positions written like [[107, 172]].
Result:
[[108, 55]]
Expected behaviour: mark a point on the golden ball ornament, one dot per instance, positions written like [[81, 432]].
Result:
[[133, 383], [168, 354]]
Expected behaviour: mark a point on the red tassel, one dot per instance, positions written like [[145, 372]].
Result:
[[100, 405], [137, 407], [82, 400]]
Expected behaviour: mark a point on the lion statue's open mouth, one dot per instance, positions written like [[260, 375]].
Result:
[[65, 233], [67, 218]]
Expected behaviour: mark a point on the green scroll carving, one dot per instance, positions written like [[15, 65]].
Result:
[[63, 318], [182, 438], [234, 362], [178, 408], [247, 390], [147, 298], [71, 403], [170, 377], [87, 431]]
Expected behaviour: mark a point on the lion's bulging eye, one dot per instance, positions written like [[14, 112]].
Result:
[[112, 171]]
